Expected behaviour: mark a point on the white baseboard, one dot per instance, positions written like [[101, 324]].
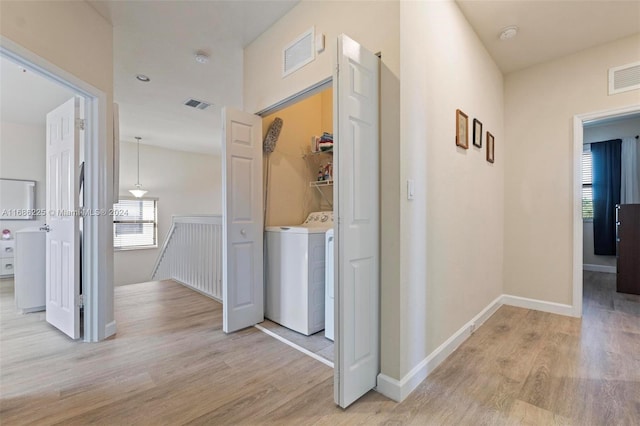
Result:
[[110, 329], [32, 310], [538, 305], [398, 390], [600, 268]]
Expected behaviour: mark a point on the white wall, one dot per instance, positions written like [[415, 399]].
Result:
[[452, 233], [22, 156], [540, 103], [598, 133], [374, 24], [617, 129], [184, 183]]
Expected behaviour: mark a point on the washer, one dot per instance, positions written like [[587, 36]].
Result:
[[295, 273]]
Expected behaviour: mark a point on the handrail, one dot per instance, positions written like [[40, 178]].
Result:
[[163, 250]]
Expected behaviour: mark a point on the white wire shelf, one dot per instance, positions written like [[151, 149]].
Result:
[[319, 183]]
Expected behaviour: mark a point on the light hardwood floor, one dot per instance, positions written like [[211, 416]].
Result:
[[171, 364]]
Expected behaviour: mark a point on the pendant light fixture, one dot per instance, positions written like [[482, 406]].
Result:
[[138, 192]]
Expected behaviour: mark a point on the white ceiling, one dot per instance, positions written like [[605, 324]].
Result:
[[548, 29], [160, 39], [27, 97]]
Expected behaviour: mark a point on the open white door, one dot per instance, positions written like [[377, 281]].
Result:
[[63, 220], [242, 279], [356, 197]]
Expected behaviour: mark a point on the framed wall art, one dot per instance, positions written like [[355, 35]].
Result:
[[490, 148], [462, 129], [477, 133]]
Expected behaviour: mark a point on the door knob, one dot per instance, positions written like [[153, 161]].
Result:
[[243, 232], [45, 228]]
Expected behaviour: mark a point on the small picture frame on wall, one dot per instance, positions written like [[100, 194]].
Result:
[[462, 129], [490, 148], [477, 133]]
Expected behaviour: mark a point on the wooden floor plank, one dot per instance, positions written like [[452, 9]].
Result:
[[171, 364]]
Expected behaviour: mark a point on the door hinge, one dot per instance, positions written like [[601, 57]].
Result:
[[80, 301], [80, 122]]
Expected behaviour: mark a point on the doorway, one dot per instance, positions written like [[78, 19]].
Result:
[[356, 202], [298, 194], [581, 125], [97, 188]]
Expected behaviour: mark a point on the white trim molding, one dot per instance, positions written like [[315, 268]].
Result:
[[538, 305], [398, 390], [110, 329], [294, 346], [600, 268]]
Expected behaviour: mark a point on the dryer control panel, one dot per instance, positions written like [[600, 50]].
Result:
[[319, 219]]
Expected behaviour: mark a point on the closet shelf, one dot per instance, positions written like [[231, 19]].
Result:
[[329, 151], [321, 183]]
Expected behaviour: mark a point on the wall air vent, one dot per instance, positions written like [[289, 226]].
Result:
[[194, 103], [624, 78], [299, 52]]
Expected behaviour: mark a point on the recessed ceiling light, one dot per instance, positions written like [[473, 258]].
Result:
[[143, 78], [202, 58], [508, 32]]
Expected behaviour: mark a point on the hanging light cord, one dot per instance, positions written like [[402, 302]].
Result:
[[138, 180]]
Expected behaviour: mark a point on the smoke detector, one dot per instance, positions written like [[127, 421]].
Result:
[[143, 78], [508, 33], [202, 57]]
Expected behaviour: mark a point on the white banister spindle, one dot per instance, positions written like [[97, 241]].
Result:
[[192, 254]]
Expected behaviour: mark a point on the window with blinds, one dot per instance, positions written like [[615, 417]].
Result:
[[135, 224], [587, 188]]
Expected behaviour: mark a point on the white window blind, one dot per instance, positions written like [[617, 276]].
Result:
[[587, 188], [135, 224]]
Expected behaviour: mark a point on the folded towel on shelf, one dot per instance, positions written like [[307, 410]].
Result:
[[325, 146]]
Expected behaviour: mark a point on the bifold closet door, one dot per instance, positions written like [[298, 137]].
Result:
[[357, 249], [242, 234]]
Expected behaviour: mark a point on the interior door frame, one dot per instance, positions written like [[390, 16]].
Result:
[[97, 263], [579, 121], [295, 98]]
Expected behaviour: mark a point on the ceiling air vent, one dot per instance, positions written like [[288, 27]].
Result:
[[298, 53], [194, 103], [624, 78]]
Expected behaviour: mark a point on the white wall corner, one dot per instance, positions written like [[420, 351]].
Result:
[[600, 268], [398, 390], [538, 305], [110, 329]]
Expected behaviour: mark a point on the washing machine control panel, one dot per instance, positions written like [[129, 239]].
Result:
[[319, 219]]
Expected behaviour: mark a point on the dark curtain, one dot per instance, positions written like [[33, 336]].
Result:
[[606, 194]]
